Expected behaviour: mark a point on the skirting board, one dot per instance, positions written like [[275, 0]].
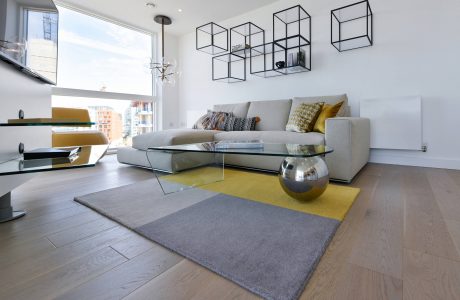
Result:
[[416, 161]]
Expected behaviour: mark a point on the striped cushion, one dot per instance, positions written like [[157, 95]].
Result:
[[240, 124]]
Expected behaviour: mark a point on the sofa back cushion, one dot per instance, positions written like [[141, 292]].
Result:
[[343, 112], [239, 110], [273, 115]]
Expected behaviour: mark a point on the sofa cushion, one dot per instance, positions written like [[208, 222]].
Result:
[[304, 117], [343, 112], [273, 114], [172, 137], [281, 137], [239, 110], [240, 124]]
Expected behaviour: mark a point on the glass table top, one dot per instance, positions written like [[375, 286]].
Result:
[[87, 157], [268, 149], [57, 124]]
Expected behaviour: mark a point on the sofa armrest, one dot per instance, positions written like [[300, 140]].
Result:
[[350, 139]]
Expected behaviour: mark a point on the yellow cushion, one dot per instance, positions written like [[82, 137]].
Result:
[[82, 115], [78, 138], [328, 111]]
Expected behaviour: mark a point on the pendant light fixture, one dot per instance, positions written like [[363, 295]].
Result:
[[165, 70]]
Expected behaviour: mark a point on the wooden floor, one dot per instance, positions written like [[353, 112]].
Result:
[[401, 239]]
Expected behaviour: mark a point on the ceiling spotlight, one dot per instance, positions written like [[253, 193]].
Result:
[[179, 10], [150, 4]]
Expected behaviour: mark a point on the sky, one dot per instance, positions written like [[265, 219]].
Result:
[[94, 54]]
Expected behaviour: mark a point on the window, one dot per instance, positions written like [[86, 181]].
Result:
[[101, 56], [103, 67], [119, 120]]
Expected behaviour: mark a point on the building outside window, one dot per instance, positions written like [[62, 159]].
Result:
[[103, 67]]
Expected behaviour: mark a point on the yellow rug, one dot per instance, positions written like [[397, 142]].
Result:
[[265, 188]]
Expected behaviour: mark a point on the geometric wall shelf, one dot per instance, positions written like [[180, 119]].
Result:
[[212, 39], [262, 62], [292, 40], [245, 36], [352, 26], [229, 68], [288, 53]]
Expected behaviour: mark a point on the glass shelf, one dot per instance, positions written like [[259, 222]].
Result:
[[87, 157], [61, 124]]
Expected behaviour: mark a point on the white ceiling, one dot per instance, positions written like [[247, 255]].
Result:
[[194, 12]]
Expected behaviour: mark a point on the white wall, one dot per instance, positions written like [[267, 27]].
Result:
[[169, 95], [18, 91], [415, 53]]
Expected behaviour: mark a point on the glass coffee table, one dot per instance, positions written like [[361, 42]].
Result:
[[303, 174]]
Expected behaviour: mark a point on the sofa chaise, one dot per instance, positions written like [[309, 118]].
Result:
[[349, 137]]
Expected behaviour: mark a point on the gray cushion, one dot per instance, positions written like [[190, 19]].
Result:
[[239, 110], [281, 137], [273, 115], [343, 112], [172, 137]]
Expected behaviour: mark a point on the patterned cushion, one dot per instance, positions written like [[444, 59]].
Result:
[[202, 122], [304, 117], [212, 120], [240, 124]]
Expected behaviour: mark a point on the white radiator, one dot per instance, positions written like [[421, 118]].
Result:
[[396, 123]]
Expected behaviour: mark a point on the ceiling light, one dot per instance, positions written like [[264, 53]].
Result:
[[179, 10], [164, 70]]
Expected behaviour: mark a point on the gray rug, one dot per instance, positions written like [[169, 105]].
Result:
[[268, 250]]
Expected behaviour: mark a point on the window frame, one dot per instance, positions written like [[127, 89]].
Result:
[[82, 93]]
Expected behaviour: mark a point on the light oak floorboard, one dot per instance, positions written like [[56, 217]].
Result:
[[446, 192], [430, 277], [425, 227], [43, 262], [57, 282], [133, 246], [380, 235], [350, 269], [79, 232], [127, 277]]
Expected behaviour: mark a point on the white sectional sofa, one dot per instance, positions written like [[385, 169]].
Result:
[[349, 137]]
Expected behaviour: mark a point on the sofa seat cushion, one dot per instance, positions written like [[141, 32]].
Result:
[[172, 137], [278, 137], [273, 114]]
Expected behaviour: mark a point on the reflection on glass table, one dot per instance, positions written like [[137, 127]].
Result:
[[192, 169], [303, 173], [88, 156]]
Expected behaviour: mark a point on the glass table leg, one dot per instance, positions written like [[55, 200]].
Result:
[[178, 171]]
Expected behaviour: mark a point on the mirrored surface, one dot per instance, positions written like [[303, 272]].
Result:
[[29, 36], [88, 156]]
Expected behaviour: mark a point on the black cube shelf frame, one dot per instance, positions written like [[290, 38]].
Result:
[[290, 51], [352, 26], [215, 36], [234, 67], [246, 36]]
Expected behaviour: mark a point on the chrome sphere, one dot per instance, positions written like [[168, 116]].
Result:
[[304, 178]]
